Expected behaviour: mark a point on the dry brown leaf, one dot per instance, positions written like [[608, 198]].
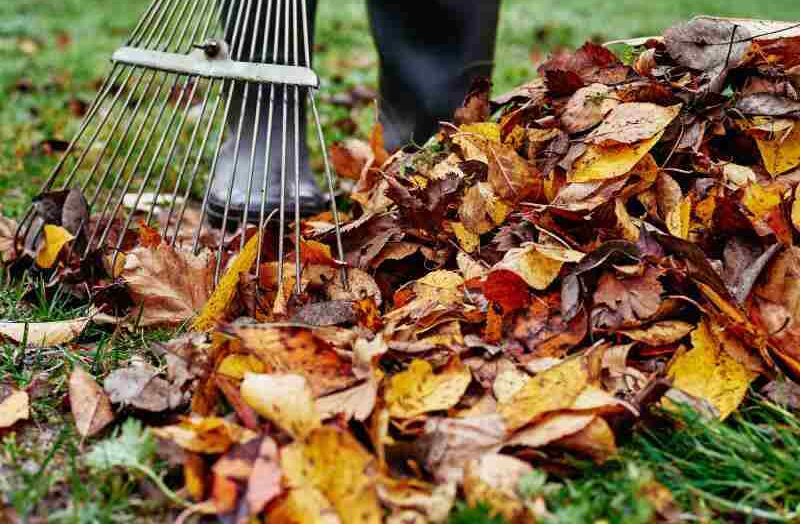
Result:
[[354, 403], [90, 406], [451, 442], [351, 158], [659, 333], [492, 479], [171, 286], [8, 230], [44, 334], [13, 408], [139, 385], [587, 107], [417, 500], [550, 429], [633, 122]]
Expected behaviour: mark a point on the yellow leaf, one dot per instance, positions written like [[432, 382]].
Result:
[[708, 372], [418, 389], [13, 408], [760, 200], [332, 463], [441, 285], [304, 505], [237, 364], [605, 162], [489, 130], [537, 267], [796, 208], [468, 240], [226, 288], [284, 399], [204, 434], [55, 238], [596, 440], [780, 150], [679, 219], [538, 396]]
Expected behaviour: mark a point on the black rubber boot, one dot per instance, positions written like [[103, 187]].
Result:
[[237, 169], [430, 51]]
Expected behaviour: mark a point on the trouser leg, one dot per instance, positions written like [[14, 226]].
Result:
[[430, 50]]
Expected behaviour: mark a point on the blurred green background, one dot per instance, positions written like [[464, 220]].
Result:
[[53, 54]]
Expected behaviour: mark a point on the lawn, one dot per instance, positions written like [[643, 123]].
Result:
[[53, 53]]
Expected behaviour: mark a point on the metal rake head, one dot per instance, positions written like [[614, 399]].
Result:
[[193, 75]]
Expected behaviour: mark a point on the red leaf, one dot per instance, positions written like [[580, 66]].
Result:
[[507, 289]]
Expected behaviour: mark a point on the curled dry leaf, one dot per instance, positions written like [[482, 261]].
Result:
[[13, 408], [171, 285], [660, 333], [8, 229], [587, 107], [44, 334], [284, 399], [55, 238], [90, 406], [550, 429], [220, 300]]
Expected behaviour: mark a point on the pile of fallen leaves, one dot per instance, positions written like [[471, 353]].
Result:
[[612, 237]]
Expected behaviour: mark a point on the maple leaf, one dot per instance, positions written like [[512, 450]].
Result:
[[170, 285]]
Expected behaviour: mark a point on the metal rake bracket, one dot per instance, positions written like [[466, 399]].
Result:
[[197, 80], [216, 65]]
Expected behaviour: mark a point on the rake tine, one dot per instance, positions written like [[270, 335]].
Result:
[[212, 173], [329, 175], [125, 162], [256, 122], [282, 212], [237, 143], [192, 141], [182, 122], [266, 181], [296, 101], [196, 169]]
